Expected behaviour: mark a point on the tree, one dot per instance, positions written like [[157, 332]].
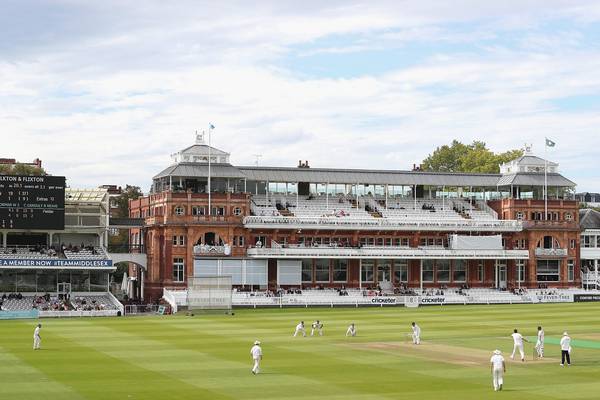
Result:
[[475, 157], [129, 193], [21, 169]]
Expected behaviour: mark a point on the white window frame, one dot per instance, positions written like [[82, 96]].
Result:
[[178, 268]]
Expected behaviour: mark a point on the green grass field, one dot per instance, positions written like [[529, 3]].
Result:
[[207, 357]]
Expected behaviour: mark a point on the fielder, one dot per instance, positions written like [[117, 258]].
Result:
[[565, 349], [300, 328], [37, 339], [416, 336], [351, 331], [256, 353], [539, 344], [316, 326], [518, 339], [498, 369]]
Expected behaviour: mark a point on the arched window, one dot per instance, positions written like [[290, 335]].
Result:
[[548, 242]]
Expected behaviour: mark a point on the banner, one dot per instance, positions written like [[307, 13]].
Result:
[[432, 300], [31, 262], [411, 301], [19, 314], [586, 297], [552, 298], [383, 300]]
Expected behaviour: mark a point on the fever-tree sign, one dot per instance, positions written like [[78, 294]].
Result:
[[32, 202]]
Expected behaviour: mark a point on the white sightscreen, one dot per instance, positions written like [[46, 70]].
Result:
[[461, 242], [233, 268], [256, 272], [289, 272], [206, 267]]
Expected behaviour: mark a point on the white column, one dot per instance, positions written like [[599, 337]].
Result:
[[421, 280], [327, 196], [360, 273]]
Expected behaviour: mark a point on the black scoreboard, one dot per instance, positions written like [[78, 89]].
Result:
[[32, 202]]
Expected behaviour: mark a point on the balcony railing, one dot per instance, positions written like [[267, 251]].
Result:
[[208, 250], [539, 252], [385, 252], [432, 224]]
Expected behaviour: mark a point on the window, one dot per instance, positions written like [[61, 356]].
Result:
[[459, 272], [322, 270], [572, 243], [571, 270], [340, 270], [521, 244], [401, 242], [400, 271], [520, 215], [548, 270], [307, 270], [432, 242], [218, 211], [480, 271], [568, 217], [366, 273], [178, 240], [384, 271], [443, 270], [179, 210], [427, 266], [198, 210], [178, 270], [237, 211], [520, 270]]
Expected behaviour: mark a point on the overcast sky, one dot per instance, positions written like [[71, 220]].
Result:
[[104, 91]]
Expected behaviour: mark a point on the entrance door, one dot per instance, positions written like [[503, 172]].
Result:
[[501, 274], [64, 290]]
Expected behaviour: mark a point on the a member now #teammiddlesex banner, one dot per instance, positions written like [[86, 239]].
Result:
[[24, 262]]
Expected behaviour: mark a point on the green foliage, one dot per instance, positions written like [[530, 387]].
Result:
[[475, 157], [21, 169], [129, 193]]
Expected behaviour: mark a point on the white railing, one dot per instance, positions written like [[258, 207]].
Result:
[[116, 302], [551, 252], [485, 207], [207, 250], [169, 298], [61, 314], [385, 252], [433, 224]]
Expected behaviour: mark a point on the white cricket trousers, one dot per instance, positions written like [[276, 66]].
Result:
[[416, 339], [539, 347], [37, 341], [312, 332], [497, 378], [300, 330], [350, 332], [520, 347], [256, 368]]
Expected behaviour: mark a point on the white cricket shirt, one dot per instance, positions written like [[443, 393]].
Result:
[[497, 361], [565, 343], [518, 338], [256, 351]]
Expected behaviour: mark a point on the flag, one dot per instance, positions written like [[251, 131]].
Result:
[[550, 143], [211, 126]]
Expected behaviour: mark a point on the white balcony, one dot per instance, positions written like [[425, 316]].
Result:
[[208, 250], [550, 252], [382, 224], [385, 252]]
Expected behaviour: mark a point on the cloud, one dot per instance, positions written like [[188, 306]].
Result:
[[104, 92]]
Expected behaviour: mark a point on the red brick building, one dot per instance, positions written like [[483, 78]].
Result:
[[281, 227]]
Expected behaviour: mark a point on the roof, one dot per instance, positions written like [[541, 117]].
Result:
[[201, 170], [529, 159], [534, 179], [589, 219], [375, 177], [350, 176], [203, 149]]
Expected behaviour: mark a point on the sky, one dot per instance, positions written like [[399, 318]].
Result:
[[104, 91]]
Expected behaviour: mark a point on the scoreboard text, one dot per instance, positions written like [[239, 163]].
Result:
[[32, 202]]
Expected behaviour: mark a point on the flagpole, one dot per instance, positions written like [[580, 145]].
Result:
[[546, 179], [209, 157]]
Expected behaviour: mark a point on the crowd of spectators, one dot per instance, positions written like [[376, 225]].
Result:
[[83, 304]]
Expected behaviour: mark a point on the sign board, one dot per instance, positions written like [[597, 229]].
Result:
[[51, 262], [436, 300], [552, 298], [32, 202], [411, 301], [19, 314], [384, 300], [162, 310], [586, 297]]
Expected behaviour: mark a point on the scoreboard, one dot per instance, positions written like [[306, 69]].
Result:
[[32, 202]]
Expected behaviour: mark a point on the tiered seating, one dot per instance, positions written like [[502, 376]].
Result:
[[26, 253], [320, 206], [262, 207], [22, 304], [96, 253], [93, 303], [420, 210], [80, 303]]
